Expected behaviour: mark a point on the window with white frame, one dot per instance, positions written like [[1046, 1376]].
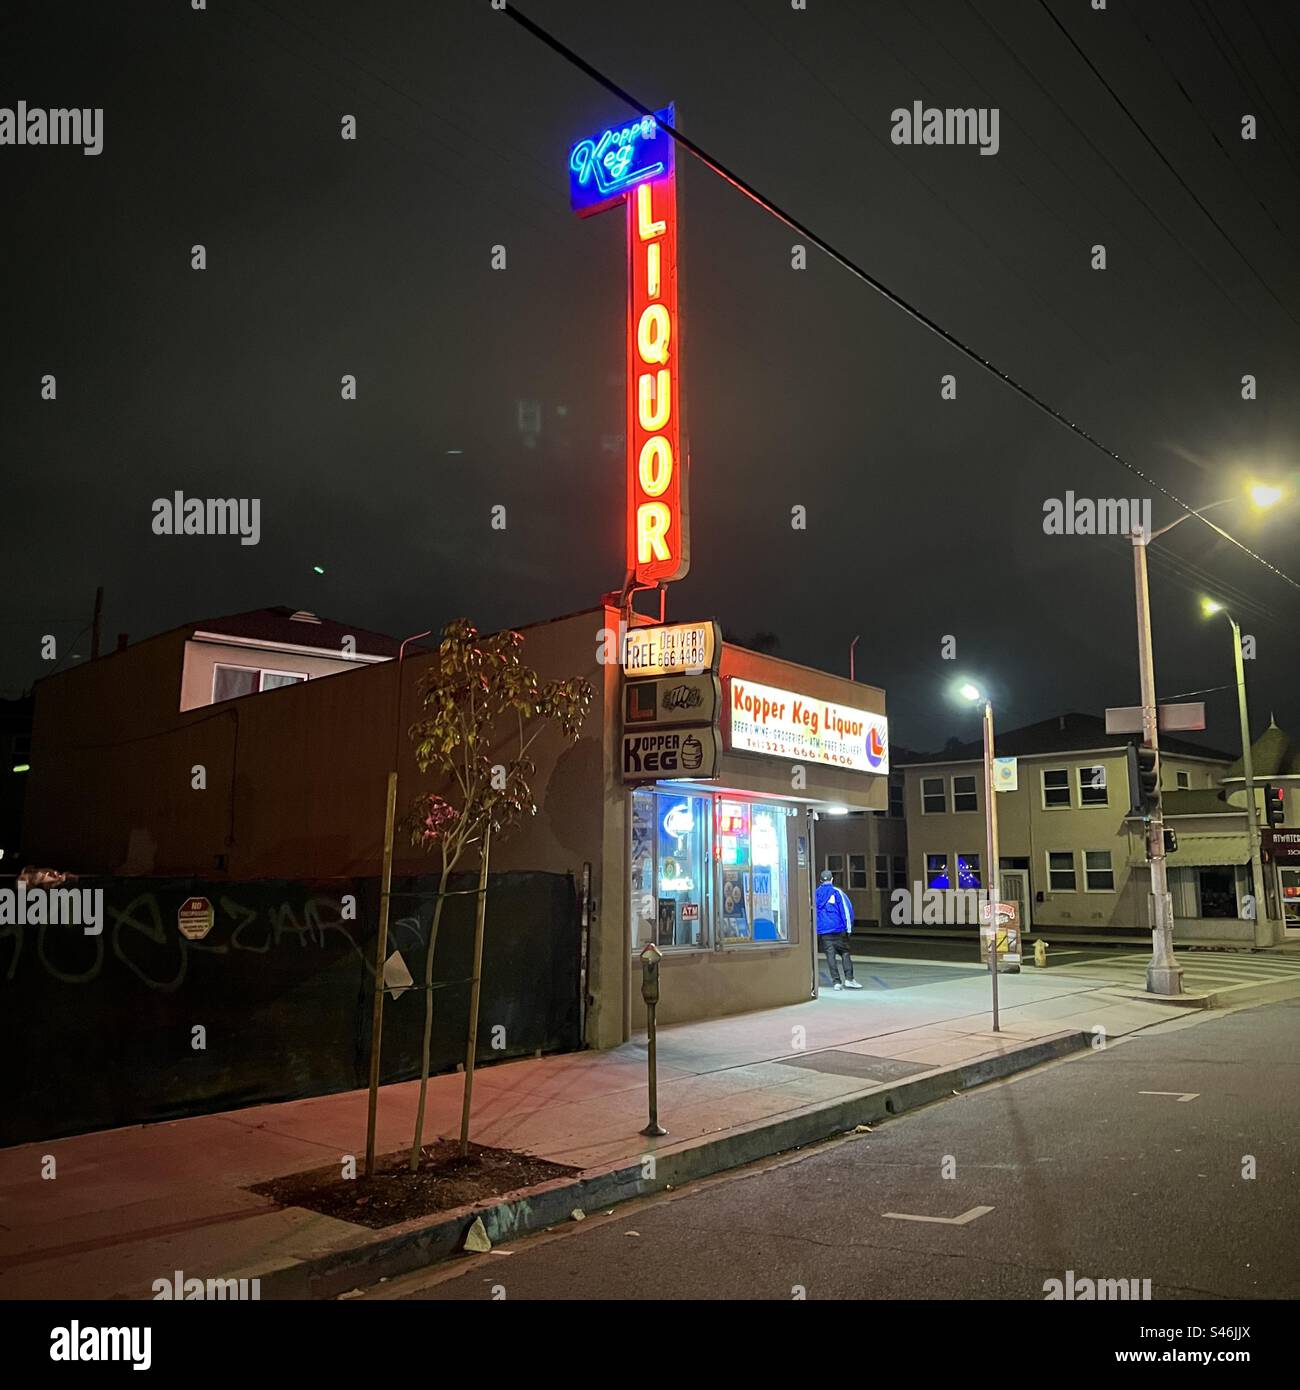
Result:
[[1098, 873], [835, 863], [936, 871], [1184, 780], [231, 682], [1092, 787], [968, 871], [1056, 788], [900, 871], [857, 870], [882, 871], [964, 797], [934, 796], [1060, 871]]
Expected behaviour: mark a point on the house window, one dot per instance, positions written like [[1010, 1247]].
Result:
[[963, 794], [896, 800], [882, 871], [934, 796], [857, 870], [1060, 871], [1098, 875], [1056, 788], [1092, 787], [1184, 780], [900, 871], [936, 871], [232, 682], [835, 863], [968, 871]]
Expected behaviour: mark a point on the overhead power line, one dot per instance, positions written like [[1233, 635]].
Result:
[[879, 286], [1160, 155]]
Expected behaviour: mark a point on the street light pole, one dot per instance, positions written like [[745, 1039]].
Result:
[[1263, 932], [1164, 974], [992, 891]]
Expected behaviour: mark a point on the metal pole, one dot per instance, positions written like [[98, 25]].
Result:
[[654, 1127], [385, 892], [381, 954], [852, 645], [990, 869], [1164, 974], [1263, 924], [471, 1043]]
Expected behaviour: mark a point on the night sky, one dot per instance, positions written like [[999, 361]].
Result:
[[481, 387]]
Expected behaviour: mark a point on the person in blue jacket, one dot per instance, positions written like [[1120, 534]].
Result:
[[834, 924]]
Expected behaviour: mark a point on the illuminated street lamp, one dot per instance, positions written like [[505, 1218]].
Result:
[[973, 693], [1263, 935], [1164, 974]]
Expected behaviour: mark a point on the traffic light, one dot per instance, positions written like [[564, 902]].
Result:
[[1143, 779], [1171, 842], [1274, 810]]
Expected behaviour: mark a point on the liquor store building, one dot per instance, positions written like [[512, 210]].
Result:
[[720, 869]]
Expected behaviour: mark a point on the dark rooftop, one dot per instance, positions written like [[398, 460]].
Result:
[[1063, 733]]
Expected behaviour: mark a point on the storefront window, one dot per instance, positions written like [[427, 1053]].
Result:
[[707, 869], [670, 868]]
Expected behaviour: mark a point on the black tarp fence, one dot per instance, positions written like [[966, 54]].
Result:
[[101, 1031]]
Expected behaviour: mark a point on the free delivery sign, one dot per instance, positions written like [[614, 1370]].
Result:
[[785, 724]]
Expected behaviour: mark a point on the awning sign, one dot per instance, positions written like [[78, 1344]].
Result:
[[785, 724]]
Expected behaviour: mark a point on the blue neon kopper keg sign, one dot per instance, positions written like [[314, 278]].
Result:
[[603, 168]]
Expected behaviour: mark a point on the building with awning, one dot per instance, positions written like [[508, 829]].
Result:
[[1209, 871]]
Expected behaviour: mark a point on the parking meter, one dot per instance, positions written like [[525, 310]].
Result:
[[651, 955]]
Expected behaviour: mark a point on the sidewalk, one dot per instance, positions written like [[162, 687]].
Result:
[[133, 1205]]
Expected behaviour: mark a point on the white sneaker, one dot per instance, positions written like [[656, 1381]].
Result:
[[851, 984], [837, 986]]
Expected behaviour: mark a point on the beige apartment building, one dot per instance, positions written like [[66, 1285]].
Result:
[[1069, 852]]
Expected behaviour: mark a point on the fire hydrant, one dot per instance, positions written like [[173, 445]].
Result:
[[1040, 953]]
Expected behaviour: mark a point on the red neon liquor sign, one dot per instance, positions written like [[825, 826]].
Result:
[[634, 165], [658, 543]]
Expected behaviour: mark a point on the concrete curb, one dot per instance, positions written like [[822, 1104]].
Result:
[[416, 1245]]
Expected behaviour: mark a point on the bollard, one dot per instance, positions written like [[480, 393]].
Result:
[[650, 958]]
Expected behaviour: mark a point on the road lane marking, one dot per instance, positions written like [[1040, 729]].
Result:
[[963, 1220], [1182, 1095]]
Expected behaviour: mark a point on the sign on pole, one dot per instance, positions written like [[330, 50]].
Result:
[[1170, 719]]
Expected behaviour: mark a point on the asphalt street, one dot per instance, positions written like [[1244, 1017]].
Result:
[[1133, 1162]]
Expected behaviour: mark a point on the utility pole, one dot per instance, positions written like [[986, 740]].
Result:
[[1263, 929], [1164, 974], [993, 889]]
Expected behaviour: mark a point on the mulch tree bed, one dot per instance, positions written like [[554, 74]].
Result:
[[444, 1181]]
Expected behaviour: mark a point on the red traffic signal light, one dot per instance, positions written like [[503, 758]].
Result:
[[1274, 808]]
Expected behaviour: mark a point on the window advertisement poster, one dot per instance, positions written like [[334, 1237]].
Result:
[[785, 724], [735, 905]]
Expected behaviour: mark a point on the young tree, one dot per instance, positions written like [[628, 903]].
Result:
[[484, 709]]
